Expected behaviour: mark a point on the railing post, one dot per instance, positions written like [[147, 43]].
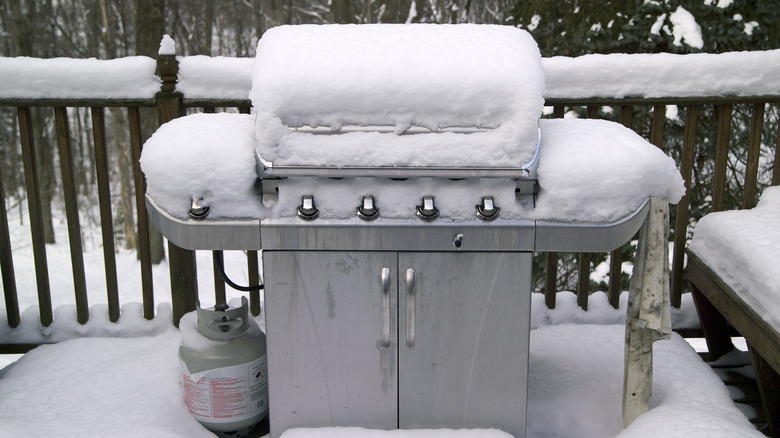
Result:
[[183, 269]]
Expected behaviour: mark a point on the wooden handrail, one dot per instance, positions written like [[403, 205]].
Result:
[[170, 104]]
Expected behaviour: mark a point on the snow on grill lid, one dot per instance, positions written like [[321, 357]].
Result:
[[430, 76]]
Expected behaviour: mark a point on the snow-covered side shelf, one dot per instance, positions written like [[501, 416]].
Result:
[[347, 78], [598, 171], [742, 247], [663, 75], [208, 157], [66, 78], [590, 171]]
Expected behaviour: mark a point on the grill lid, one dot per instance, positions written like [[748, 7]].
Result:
[[394, 100]]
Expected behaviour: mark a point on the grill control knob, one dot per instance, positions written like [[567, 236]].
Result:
[[487, 210], [307, 211], [368, 210], [427, 211], [198, 209]]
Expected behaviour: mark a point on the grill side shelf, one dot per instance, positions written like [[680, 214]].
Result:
[[233, 234], [587, 237]]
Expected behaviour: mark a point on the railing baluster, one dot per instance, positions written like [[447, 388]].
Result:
[[721, 155], [254, 280], [583, 268], [776, 167], [657, 125], [681, 223], [583, 280], [754, 152], [616, 256], [551, 280], [551, 266], [106, 217], [72, 213], [34, 208], [7, 264], [144, 250]]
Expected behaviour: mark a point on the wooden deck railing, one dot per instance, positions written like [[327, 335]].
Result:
[[653, 127], [646, 116]]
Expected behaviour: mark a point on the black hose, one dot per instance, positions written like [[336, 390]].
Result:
[[221, 268]]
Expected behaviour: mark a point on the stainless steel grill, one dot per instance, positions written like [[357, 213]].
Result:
[[386, 307]]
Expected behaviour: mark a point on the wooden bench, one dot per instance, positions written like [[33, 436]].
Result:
[[719, 307]]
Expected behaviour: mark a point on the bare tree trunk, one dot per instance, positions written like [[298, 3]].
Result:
[[44, 156], [341, 11], [208, 23], [25, 19], [126, 216], [149, 29], [124, 164]]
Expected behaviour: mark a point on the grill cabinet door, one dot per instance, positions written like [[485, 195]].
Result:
[[331, 360], [468, 364]]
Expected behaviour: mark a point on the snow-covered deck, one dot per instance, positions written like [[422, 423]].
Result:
[[130, 387], [733, 274]]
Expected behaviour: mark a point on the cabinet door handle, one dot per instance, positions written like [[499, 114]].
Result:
[[385, 307], [410, 307]]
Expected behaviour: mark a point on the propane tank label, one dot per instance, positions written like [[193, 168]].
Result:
[[224, 395]]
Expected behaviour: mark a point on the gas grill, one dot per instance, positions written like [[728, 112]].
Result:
[[397, 294]]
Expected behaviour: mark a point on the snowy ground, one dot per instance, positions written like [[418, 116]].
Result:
[[129, 386]]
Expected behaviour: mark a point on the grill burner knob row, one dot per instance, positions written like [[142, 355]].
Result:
[[427, 211]]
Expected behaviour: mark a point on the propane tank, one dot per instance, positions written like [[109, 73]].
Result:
[[222, 358]]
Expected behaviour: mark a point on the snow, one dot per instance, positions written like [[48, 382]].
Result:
[[599, 171], [203, 156], [614, 75], [129, 387], [401, 76], [685, 29], [589, 171], [167, 46], [98, 386], [723, 4], [131, 322], [66, 78], [663, 75], [204, 77], [741, 247]]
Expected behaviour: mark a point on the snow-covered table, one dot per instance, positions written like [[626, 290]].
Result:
[[732, 267]]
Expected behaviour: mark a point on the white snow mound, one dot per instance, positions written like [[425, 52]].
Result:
[[398, 76], [203, 156], [742, 248]]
